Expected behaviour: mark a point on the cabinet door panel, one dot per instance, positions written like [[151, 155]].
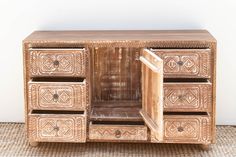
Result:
[[152, 92]]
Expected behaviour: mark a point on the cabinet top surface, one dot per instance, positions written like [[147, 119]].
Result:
[[120, 35]]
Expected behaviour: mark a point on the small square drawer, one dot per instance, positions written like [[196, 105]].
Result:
[[58, 62], [185, 62], [54, 127], [112, 132], [187, 129], [57, 95], [187, 97]]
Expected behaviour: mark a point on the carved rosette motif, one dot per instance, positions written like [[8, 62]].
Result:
[[57, 96], [58, 63], [195, 129], [57, 128], [118, 132], [187, 97], [185, 63]]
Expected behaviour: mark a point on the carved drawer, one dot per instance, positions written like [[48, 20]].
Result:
[[187, 129], [57, 127], [185, 62], [117, 132], [57, 95], [187, 97], [58, 62]]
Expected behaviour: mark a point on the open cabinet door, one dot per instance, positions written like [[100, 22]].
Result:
[[152, 92]]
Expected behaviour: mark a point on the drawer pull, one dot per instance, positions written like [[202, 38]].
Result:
[[56, 128], [180, 63], [180, 129], [181, 97], [55, 97], [118, 133], [56, 63]]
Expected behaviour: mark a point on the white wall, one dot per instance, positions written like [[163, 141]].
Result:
[[18, 18]]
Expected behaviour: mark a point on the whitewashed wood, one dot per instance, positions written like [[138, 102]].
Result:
[[57, 95], [58, 62], [57, 127], [197, 46], [188, 97], [187, 129], [152, 92], [186, 62], [118, 132]]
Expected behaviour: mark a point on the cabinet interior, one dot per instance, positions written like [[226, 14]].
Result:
[[116, 84]]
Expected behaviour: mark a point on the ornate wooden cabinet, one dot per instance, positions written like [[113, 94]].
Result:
[[120, 86]]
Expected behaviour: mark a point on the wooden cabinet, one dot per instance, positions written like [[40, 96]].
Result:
[[120, 86]]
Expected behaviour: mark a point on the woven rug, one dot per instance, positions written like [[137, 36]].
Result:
[[13, 142]]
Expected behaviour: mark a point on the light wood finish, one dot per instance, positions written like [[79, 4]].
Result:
[[57, 128], [130, 36], [107, 132], [123, 111], [185, 62], [123, 73], [116, 74], [152, 92], [57, 62], [57, 95], [188, 97], [187, 129]]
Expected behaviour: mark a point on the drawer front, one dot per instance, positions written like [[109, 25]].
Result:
[[57, 128], [57, 95], [60, 62], [187, 97], [187, 129], [185, 62], [117, 132]]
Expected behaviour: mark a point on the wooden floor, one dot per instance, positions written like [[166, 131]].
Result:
[[13, 143]]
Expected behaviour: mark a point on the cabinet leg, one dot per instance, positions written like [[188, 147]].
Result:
[[205, 146], [33, 144]]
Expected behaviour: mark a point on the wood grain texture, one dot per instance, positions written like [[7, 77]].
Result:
[[152, 92], [116, 74], [124, 38], [109, 35]]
